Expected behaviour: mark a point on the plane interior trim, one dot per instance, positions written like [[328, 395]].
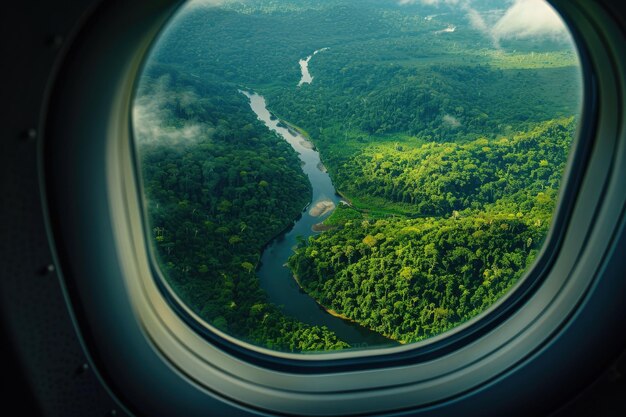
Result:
[[90, 331]]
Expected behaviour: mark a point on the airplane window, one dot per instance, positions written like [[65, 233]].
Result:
[[320, 176]]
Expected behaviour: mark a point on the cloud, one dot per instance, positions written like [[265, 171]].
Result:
[[152, 111], [524, 19], [530, 19], [476, 20], [451, 121], [449, 29]]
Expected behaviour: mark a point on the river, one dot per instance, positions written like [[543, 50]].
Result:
[[276, 278], [307, 78]]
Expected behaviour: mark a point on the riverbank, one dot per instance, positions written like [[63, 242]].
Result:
[[321, 227], [344, 198], [297, 129], [341, 316], [321, 208], [277, 280], [328, 310], [287, 229]]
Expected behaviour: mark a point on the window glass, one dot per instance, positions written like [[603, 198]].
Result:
[[330, 174]]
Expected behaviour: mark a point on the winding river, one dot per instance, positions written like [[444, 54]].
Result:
[[276, 278]]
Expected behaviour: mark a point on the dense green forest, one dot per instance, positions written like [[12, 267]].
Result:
[[214, 200], [486, 206], [448, 145], [435, 179]]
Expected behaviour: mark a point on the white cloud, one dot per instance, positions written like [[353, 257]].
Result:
[[451, 121], [529, 19], [449, 29], [476, 20], [150, 113], [522, 20]]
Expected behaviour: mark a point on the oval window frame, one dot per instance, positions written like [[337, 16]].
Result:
[[435, 374]]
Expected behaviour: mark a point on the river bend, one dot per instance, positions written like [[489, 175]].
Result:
[[275, 277]]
